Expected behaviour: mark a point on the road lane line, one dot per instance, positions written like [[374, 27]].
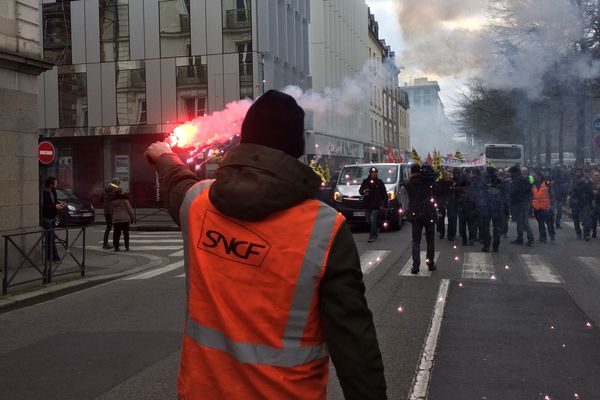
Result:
[[161, 233], [423, 270], [538, 271], [592, 264], [134, 240], [423, 376], [478, 266], [177, 254], [180, 276], [157, 271], [139, 248], [370, 259]]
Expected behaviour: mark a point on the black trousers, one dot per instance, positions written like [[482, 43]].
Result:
[[121, 227], [467, 219], [452, 214], [441, 222], [108, 219], [417, 234], [497, 221], [545, 218]]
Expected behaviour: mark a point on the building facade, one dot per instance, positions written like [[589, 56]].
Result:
[[384, 99], [429, 125], [20, 65], [127, 72], [338, 50]]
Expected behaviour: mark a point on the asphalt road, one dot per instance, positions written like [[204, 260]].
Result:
[[521, 324]]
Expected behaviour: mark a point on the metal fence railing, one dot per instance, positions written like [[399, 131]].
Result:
[[37, 254]]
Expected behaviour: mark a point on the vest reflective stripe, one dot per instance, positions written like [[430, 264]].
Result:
[[191, 194], [541, 197], [313, 262], [253, 353], [292, 352]]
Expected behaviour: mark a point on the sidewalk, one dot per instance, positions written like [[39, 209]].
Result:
[[100, 267]]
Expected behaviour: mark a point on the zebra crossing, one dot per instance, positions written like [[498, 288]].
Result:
[[151, 241], [532, 268], [369, 261]]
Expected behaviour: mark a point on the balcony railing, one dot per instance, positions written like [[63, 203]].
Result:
[[238, 18]]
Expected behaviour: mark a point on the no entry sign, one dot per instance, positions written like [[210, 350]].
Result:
[[46, 152]]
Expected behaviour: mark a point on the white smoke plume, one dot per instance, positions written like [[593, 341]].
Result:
[[508, 44], [349, 100]]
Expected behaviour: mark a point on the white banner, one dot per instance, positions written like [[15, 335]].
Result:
[[471, 163]]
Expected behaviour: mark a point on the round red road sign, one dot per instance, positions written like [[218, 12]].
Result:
[[46, 152]]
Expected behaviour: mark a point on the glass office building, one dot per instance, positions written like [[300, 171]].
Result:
[[128, 71]]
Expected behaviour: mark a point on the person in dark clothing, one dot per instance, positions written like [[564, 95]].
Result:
[[259, 180], [491, 204], [561, 191], [466, 208], [122, 216], [422, 213], [596, 204], [582, 198], [520, 201], [109, 194], [374, 197], [506, 217], [50, 207], [452, 204], [444, 191]]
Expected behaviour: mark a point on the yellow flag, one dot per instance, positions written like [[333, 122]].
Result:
[[458, 155], [415, 157], [491, 164], [437, 160]]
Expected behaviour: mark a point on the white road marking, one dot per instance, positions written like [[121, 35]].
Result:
[[421, 382], [177, 254], [180, 276], [140, 248], [478, 266], [134, 240], [370, 259], [157, 271], [568, 223], [538, 271], [158, 233], [592, 264], [423, 270]]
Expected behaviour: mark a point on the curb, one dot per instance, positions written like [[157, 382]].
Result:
[[52, 291]]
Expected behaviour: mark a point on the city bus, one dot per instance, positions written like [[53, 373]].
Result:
[[504, 155]]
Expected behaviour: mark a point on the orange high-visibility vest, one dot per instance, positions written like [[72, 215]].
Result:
[[252, 328], [541, 197]]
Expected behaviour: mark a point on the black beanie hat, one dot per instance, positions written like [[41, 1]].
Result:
[[416, 169], [277, 121]]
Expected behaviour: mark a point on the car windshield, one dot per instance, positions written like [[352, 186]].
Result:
[[354, 175], [63, 194]]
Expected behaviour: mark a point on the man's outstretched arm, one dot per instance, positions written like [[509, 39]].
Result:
[[174, 176]]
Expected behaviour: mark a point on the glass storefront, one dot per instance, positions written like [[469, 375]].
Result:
[[85, 165], [72, 96], [114, 30], [192, 88], [175, 38], [57, 32]]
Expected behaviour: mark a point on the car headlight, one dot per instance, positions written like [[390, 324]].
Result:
[[391, 195], [337, 196], [71, 207]]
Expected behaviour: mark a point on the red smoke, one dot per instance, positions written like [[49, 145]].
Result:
[[211, 130]]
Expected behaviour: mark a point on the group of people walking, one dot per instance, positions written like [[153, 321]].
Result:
[[477, 204]]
